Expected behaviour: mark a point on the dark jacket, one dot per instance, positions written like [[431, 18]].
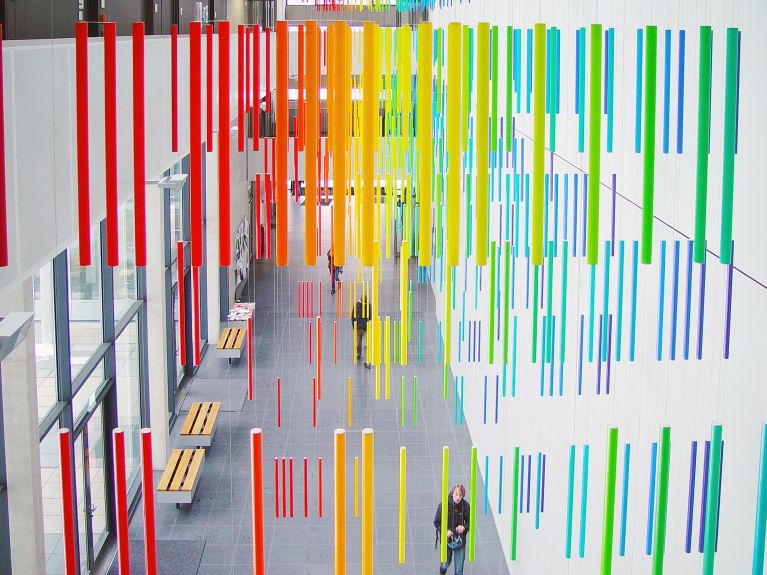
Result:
[[359, 318], [459, 514]]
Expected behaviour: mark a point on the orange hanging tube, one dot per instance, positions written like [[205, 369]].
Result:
[[340, 126], [281, 153], [311, 119]]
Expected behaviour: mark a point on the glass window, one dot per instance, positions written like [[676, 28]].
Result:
[[45, 340], [125, 272], [177, 338], [50, 477], [83, 395], [85, 311], [129, 395]]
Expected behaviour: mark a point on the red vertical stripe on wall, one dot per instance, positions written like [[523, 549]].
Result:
[[240, 88], [110, 139], [268, 70], [195, 137], [181, 302], [224, 225], [281, 167], [256, 84], [301, 83], [174, 87], [3, 208], [209, 86], [139, 149], [83, 176]]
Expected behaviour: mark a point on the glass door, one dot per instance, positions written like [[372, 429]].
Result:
[[91, 490]]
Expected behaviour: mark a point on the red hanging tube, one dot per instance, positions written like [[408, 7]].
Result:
[[224, 225], [314, 402], [256, 84], [298, 299], [121, 501], [240, 88], [257, 499], [319, 291], [306, 487], [250, 358], [3, 208], [319, 481], [279, 403], [273, 170], [195, 136], [83, 177], [196, 313], [295, 159], [334, 341], [147, 497], [248, 98], [268, 206], [209, 87], [281, 167], [284, 491], [276, 487], [311, 314], [67, 503], [258, 216], [309, 326], [301, 80], [319, 358], [139, 148], [174, 87], [181, 303], [290, 467], [110, 140], [268, 61]]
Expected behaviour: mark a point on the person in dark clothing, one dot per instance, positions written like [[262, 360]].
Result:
[[335, 271], [458, 521], [362, 313]]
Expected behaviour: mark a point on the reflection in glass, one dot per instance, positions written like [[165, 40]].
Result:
[[125, 273], [50, 478], [83, 395], [85, 311], [177, 338], [129, 395], [45, 340]]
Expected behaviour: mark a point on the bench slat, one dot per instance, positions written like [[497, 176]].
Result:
[[233, 335], [211, 420], [194, 469], [190, 418], [240, 339], [178, 478], [223, 337], [202, 414], [170, 468]]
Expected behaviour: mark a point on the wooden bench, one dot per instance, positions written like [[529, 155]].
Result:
[[200, 424], [181, 476], [231, 342]]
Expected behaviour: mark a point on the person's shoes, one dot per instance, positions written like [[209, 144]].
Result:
[[367, 365], [332, 291], [442, 570]]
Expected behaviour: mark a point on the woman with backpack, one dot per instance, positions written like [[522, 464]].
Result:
[[458, 519]]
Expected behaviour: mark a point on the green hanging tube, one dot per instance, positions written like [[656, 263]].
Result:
[[491, 333], [608, 522], [514, 506], [494, 109], [443, 523], [547, 345], [659, 543], [420, 334], [509, 91], [570, 490], [539, 140], [760, 527], [712, 500], [649, 143], [730, 126], [595, 145], [704, 135], [507, 266], [472, 501]]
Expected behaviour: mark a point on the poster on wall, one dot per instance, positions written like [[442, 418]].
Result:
[[242, 252]]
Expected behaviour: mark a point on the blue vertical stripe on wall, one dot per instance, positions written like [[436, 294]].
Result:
[[624, 499]]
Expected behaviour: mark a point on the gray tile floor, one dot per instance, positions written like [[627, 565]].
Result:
[[221, 515]]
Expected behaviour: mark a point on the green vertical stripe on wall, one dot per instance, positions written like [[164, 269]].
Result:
[[728, 169], [539, 137], [595, 144], [659, 543], [608, 522], [649, 143], [704, 129]]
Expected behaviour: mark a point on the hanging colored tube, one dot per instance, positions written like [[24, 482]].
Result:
[[649, 144], [712, 500], [595, 146], [83, 161], [281, 152], [174, 87], [256, 86], [209, 87], [67, 503], [370, 123], [730, 131], [3, 207], [659, 546], [760, 529], [339, 518], [195, 137], [121, 501], [482, 119], [147, 498], [249, 348], [110, 140], [453, 142], [240, 87], [181, 303], [704, 138], [311, 139], [257, 499], [337, 65], [539, 136], [424, 117], [196, 314], [367, 502], [224, 217], [402, 501], [139, 160], [609, 508], [471, 543], [444, 497]]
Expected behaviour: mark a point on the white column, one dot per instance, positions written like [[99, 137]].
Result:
[[22, 444], [157, 331], [211, 242]]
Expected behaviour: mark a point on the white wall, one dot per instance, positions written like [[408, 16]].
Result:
[[646, 394]]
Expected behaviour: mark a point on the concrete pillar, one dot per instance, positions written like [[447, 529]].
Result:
[[157, 331], [22, 444]]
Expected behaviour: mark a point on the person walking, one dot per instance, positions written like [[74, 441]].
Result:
[[458, 521], [361, 318], [335, 271]]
